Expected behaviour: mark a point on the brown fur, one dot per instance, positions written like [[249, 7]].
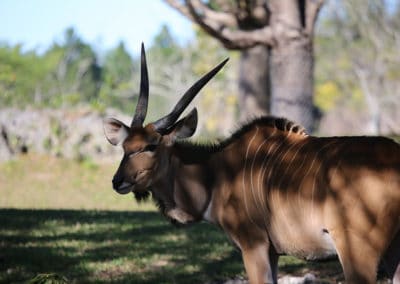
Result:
[[275, 190]]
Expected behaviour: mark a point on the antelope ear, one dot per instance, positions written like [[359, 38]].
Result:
[[115, 131], [184, 128]]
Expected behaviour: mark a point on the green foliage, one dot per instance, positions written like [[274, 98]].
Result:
[[18, 71], [77, 73], [357, 53], [66, 74], [326, 95], [118, 66], [164, 43], [69, 74], [48, 278], [222, 94]]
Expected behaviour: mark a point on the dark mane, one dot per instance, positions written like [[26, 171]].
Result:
[[197, 151], [279, 123]]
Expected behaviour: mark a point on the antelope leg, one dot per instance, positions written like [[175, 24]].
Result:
[[258, 265]]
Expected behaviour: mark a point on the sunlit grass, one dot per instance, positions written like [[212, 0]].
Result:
[[39, 182]]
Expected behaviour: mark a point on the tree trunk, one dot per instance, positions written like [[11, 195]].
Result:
[[254, 86], [292, 82], [276, 39], [292, 61]]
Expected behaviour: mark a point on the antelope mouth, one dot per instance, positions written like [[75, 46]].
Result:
[[125, 188]]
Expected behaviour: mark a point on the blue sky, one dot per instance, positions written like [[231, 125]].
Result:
[[102, 23]]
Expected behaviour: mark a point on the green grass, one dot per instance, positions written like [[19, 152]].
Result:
[[63, 217], [123, 247], [60, 218], [111, 246], [44, 182]]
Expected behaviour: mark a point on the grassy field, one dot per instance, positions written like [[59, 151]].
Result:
[[43, 182], [60, 216], [111, 246], [122, 247]]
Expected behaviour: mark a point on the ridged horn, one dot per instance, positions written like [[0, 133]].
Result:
[[167, 121], [141, 107]]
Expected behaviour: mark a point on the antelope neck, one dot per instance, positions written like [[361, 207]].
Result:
[[193, 178]]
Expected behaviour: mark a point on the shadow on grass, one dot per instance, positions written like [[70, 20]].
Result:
[[107, 246], [124, 247]]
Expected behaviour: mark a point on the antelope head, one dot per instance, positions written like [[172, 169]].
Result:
[[147, 148]]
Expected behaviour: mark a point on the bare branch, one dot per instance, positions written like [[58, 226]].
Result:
[[232, 39], [181, 8], [222, 25], [222, 18], [244, 39], [312, 11], [226, 19]]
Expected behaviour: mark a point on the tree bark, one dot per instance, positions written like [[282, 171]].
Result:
[[292, 82], [254, 85]]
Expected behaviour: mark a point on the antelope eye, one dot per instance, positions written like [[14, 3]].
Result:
[[148, 148]]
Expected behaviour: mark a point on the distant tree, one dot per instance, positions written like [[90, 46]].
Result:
[[118, 65], [66, 75], [359, 46], [170, 69], [219, 100], [165, 43], [20, 76], [122, 73], [117, 89], [276, 39], [78, 74]]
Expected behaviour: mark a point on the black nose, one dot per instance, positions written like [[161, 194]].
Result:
[[116, 182]]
